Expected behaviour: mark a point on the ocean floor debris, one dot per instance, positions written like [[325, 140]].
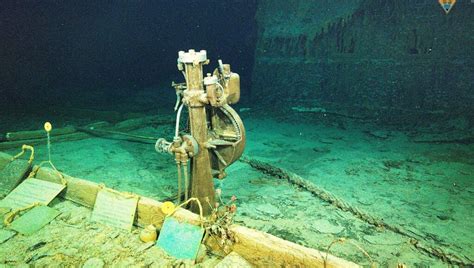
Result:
[[440, 169], [72, 242]]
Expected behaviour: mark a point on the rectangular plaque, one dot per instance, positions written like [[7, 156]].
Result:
[[115, 209], [12, 175], [34, 220], [180, 239], [31, 191]]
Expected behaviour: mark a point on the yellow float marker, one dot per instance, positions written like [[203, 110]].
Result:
[[167, 207], [48, 127]]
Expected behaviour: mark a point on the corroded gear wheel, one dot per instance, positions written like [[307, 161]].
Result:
[[227, 138]]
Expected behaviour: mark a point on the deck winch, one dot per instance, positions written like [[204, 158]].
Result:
[[215, 135]]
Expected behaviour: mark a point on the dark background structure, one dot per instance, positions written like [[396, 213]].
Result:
[[71, 48], [383, 55]]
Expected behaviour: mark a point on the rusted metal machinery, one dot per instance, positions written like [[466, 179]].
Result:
[[215, 136]]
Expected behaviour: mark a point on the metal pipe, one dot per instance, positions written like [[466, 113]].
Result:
[[178, 118], [186, 180], [178, 165]]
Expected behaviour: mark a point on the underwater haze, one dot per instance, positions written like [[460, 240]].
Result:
[[356, 121], [100, 51]]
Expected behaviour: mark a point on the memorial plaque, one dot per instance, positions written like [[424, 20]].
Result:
[[12, 175], [32, 191], [180, 239], [115, 209], [34, 220]]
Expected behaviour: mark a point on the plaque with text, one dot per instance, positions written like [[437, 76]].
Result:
[[12, 175], [115, 209], [32, 191]]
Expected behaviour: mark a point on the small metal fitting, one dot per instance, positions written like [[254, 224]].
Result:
[[163, 146]]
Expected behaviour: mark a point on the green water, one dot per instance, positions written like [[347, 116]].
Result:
[[425, 189]]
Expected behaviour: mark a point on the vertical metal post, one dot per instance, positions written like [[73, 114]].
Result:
[[202, 185]]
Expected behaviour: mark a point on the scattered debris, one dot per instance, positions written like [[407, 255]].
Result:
[[219, 224], [36, 257], [36, 246]]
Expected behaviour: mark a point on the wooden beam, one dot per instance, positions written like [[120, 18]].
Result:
[[34, 137], [265, 250], [37, 134]]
